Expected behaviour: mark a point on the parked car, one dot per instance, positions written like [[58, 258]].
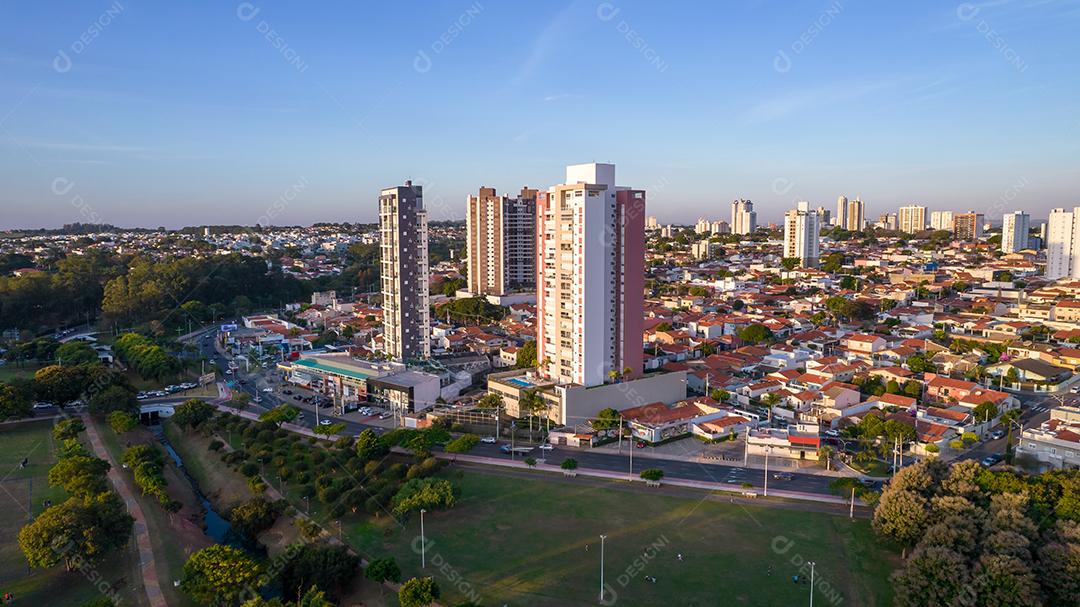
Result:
[[489, 440], [286, 391], [325, 422], [991, 459], [996, 434], [546, 446], [43, 405], [783, 476], [268, 389], [640, 444]]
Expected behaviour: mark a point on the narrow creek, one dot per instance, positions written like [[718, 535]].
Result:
[[214, 525]]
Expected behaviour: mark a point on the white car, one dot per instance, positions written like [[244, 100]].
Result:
[[43, 405], [489, 440], [325, 422], [546, 446], [268, 389]]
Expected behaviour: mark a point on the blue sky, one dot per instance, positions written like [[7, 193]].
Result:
[[185, 113]]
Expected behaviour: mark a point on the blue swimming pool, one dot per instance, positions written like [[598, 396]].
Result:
[[520, 383]]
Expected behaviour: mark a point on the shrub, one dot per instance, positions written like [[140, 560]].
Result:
[[122, 421], [216, 445], [652, 474], [932, 448], [569, 464]]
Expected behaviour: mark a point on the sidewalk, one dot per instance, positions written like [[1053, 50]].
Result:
[[730, 457], [142, 536]]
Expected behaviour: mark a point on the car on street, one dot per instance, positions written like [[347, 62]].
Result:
[[991, 459], [783, 476], [996, 434], [268, 389], [298, 397], [286, 391], [640, 444], [43, 405], [546, 446], [325, 422], [490, 440], [1075, 389]]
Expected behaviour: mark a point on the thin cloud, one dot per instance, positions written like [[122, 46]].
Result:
[[783, 106], [80, 147]]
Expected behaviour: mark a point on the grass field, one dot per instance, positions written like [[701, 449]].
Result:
[[536, 542], [10, 371], [24, 492]]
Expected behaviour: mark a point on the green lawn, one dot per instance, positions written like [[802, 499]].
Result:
[[24, 491], [523, 542], [10, 371]]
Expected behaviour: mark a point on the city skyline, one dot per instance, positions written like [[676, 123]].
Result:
[[282, 115]]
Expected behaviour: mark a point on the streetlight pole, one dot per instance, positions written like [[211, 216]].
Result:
[[602, 538], [768, 449], [423, 541], [811, 583], [631, 446]]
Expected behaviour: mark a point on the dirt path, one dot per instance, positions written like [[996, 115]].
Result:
[[142, 536]]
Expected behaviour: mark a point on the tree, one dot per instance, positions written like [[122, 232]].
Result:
[[192, 413], [80, 476], [329, 429], [77, 530], [790, 263], [76, 352], [122, 421], [492, 401], [280, 414], [530, 462], [901, 515], [68, 428], [114, 398], [418, 592], [60, 385], [13, 403], [919, 363], [254, 516], [427, 493], [985, 411], [652, 474], [314, 598], [606, 419], [932, 576], [239, 401], [824, 454], [383, 570], [463, 444], [1005, 580], [569, 464], [526, 355], [328, 567], [755, 334], [219, 575], [369, 447]]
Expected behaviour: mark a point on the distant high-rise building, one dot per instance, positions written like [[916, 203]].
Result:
[[802, 234], [403, 232], [887, 221], [968, 226], [1015, 227], [743, 217], [911, 219], [590, 300], [1063, 244], [501, 242], [856, 215], [941, 220], [651, 223], [824, 216], [702, 226], [720, 227], [841, 212], [667, 231]]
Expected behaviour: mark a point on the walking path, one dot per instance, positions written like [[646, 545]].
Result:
[[142, 536]]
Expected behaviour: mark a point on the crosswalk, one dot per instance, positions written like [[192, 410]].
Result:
[[1040, 408]]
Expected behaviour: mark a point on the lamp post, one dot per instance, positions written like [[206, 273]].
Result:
[[602, 538], [811, 583], [768, 449], [423, 541]]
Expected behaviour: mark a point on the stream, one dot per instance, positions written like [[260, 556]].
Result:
[[214, 525]]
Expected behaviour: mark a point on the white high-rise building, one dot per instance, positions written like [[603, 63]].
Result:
[[590, 296], [802, 234], [501, 242], [651, 223], [1063, 244], [743, 217], [403, 232], [702, 226], [1015, 227], [941, 220], [840, 219], [911, 219]]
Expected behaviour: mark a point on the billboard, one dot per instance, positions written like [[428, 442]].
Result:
[[228, 328], [207, 378]]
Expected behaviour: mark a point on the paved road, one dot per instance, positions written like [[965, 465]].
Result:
[[1034, 411]]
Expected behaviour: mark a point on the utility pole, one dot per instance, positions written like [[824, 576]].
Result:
[[851, 512], [767, 450]]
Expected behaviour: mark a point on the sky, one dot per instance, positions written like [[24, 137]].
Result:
[[200, 112]]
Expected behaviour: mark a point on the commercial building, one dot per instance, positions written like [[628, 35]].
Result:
[[912, 219], [590, 300], [403, 233], [968, 226], [743, 217], [1063, 244], [1015, 227], [501, 242], [802, 234]]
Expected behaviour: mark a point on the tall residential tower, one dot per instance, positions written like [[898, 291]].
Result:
[[590, 278], [1015, 227], [501, 242], [802, 234], [743, 217], [403, 233]]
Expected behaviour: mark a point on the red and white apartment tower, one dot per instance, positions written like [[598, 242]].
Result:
[[590, 278]]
